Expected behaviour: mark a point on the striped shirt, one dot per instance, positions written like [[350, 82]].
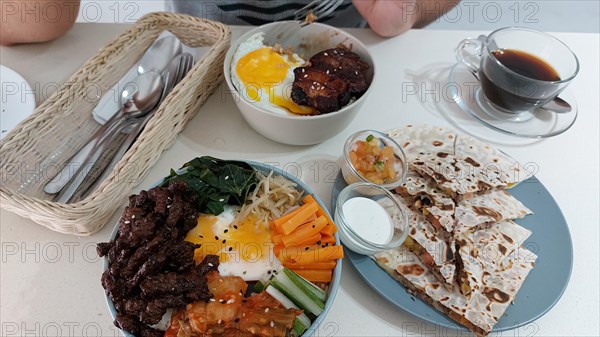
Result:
[[259, 12]]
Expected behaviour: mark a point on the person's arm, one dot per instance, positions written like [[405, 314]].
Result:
[[392, 17], [28, 21]]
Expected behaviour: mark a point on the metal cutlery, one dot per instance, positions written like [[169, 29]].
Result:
[[118, 145], [155, 59], [318, 9]]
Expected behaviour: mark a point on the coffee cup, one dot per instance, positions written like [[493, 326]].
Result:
[[519, 69]]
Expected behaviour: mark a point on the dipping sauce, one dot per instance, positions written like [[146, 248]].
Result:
[[369, 220]]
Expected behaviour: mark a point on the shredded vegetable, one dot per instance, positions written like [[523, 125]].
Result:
[[273, 197]]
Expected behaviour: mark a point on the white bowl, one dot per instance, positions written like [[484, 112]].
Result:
[[293, 129]]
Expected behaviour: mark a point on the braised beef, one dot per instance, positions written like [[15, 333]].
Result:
[[151, 267], [331, 79]]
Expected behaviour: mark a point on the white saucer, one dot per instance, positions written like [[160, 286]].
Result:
[[465, 91], [17, 101]]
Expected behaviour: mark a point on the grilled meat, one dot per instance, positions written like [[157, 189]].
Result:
[[333, 77]]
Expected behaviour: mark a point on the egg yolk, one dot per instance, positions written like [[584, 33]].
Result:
[[247, 240], [261, 68], [292, 106]]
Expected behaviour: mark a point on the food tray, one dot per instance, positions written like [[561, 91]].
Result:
[[33, 152]]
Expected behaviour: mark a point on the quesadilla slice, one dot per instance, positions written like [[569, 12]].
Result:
[[482, 211], [478, 312], [483, 249], [450, 218], [433, 250], [460, 165], [423, 196]]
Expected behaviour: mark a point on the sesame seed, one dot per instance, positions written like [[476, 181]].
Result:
[[244, 272], [133, 216], [127, 222], [230, 248], [305, 75], [266, 310], [237, 320], [313, 226], [235, 226], [224, 240], [226, 177], [200, 236], [230, 301], [211, 265], [269, 272], [213, 300], [219, 321], [306, 248], [325, 54], [272, 324], [356, 72], [216, 238], [225, 231], [327, 72]]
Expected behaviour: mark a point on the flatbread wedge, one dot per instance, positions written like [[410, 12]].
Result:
[[478, 312], [424, 241], [485, 249], [423, 196], [461, 166], [450, 217], [485, 210]]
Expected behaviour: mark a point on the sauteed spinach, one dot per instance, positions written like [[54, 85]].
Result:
[[216, 182]]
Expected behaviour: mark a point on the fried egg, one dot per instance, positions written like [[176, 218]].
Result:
[[265, 77], [244, 249]]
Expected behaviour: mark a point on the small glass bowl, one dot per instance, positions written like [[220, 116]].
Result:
[[351, 174], [349, 236]]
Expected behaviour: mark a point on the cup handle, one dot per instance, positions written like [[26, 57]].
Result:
[[465, 57]]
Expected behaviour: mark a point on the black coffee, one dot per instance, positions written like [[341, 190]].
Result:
[[516, 94]]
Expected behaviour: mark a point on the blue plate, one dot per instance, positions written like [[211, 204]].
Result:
[[550, 240], [337, 272]]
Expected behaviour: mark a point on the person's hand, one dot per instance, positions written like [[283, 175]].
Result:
[[390, 18]]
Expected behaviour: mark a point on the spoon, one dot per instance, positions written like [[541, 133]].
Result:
[[160, 53], [175, 71], [137, 99], [557, 105]]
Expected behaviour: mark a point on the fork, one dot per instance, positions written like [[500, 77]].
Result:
[[318, 8], [101, 168]]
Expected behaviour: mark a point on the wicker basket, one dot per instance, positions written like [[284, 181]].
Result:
[[64, 121]]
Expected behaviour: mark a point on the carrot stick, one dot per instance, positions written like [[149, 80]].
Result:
[[311, 255], [315, 275], [331, 228], [317, 265], [303, 242], [276, 238], [305, 211], [277, 249], [325, 238], [307, 230]]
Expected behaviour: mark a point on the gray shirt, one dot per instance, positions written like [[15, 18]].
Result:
[[259, 12]]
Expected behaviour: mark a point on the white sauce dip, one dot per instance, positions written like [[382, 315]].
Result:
[[368, 219]]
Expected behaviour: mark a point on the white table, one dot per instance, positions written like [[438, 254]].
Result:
[[50, 283]]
